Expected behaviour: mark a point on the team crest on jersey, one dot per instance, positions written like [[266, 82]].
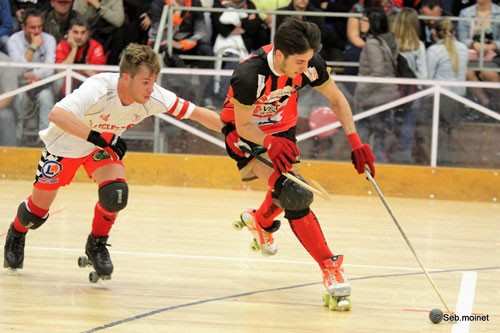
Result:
[[312, 74], [100, 155], [105, 117], [50, 169]]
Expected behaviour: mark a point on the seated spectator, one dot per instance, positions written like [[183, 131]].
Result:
[[6, 24], [58, 17], [263, 5], [106, 19], [328, 52], [79, 48], [19, 6], [33, 45], [435, 9], [447, 61], [8, 82], [481, 16], [137, 20], [377, 60]]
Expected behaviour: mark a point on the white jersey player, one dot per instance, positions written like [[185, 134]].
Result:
[[84, 130]]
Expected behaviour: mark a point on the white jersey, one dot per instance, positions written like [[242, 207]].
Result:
[[97, 104]]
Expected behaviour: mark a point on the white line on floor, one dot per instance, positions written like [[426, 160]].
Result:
[[465, 301], [221, 258]]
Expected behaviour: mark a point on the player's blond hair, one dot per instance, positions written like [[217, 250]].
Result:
[[136, 55]]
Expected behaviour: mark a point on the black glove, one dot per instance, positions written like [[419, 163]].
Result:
[[115, 146]]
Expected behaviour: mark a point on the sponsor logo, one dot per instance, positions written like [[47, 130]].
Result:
[[105, 117], [312, 74], [100, 155], [50, 169]]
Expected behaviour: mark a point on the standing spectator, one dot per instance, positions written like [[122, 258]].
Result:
[[106, 18], [58, 17], [8, 82], [377, 60], [447, 61], [79, 48], [480, 18], [33, 45], [6, 24], [406, 29]]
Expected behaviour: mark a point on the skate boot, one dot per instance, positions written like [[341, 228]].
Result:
[[14, 249], [97, 257], [336, 284], [262, 240]]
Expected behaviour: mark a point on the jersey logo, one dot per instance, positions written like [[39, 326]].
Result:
[[50, 169], [105, 117], [100, 155], [312, 74]]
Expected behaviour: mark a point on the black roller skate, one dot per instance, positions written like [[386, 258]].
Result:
[[14, 249], [97, 257]]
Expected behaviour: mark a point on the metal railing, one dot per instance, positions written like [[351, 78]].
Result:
[[169, 9], [434, 88]]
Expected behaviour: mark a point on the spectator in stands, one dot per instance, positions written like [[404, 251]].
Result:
[[19, 6], [79, 48], [137, 20], [57, 19], [406, 29], [435, 9], [447, 61], [6, 24], [264, 5], [106, 19], [469, 33], [33, 45], [377, 60], [8, 82], [328, 51]]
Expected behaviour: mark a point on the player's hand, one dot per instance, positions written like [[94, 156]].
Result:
[[113, 145], [282, 152], [232, 140], [361, 155]]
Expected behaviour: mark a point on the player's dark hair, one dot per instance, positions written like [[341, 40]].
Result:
[[295, 36], [31, 12]]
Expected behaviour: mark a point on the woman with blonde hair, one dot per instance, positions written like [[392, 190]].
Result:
[[447, 61]]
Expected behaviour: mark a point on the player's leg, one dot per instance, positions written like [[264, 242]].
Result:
[[52, 172], [296, 201], [113, 197]]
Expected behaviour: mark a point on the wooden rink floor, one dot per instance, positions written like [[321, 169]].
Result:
[[181, 267]]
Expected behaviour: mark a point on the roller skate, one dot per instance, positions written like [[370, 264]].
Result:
[[14, 249], [262, 239], [97, 257], [338, 288]]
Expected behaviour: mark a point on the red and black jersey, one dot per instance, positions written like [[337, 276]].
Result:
[[256, 82]]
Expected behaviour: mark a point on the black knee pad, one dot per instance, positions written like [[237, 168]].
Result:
[[28, 219], [114, 196], [292, 196]]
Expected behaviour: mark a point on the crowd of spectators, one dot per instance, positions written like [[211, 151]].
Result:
[[95, 32]]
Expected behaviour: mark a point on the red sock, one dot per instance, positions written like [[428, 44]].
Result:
[[35, 210], [103, 221], [308, 231], [267, 211]]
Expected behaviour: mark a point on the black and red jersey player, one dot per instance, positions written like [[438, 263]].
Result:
[[260, 115]]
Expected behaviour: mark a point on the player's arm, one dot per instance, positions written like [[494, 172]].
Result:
[[208, 118], [70, 123], [362, 154], [245, 126]]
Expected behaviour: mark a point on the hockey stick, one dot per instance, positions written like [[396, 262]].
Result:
[[389, 210], [288, 175]]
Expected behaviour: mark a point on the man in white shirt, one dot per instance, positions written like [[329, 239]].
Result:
[[84, 130], [33, 45]]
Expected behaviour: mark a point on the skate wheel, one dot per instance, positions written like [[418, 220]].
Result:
[[238, 225], [255, 245], [93, 277], [343, 304], [83, 261], [326, 299]]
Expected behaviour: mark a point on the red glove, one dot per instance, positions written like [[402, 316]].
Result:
[[232, 141], [361, 154], [282, 152]]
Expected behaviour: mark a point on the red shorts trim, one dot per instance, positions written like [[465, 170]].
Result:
[[56, 171]]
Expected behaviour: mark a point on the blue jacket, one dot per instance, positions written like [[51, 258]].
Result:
[[464, 27]]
